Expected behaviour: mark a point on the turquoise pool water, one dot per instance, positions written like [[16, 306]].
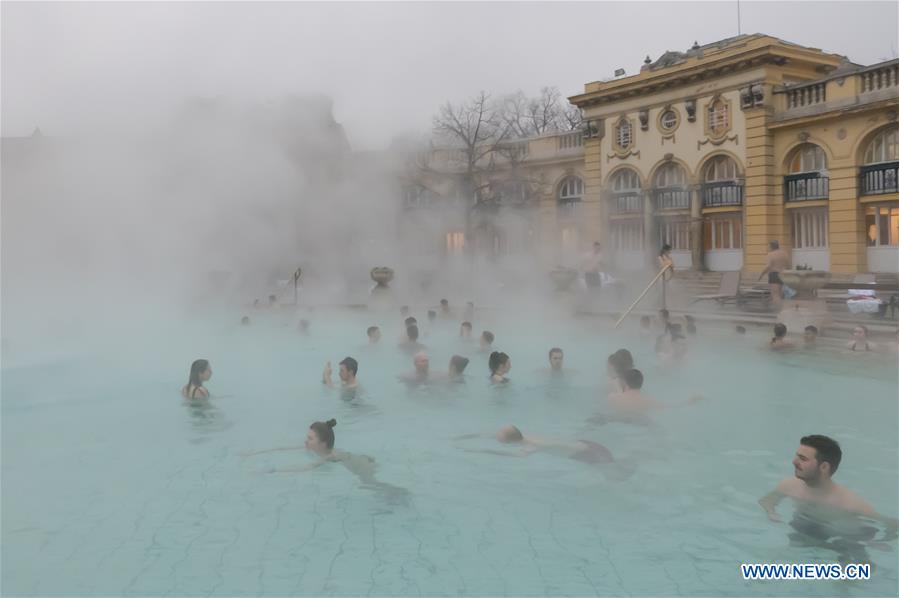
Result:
[[113, 485]]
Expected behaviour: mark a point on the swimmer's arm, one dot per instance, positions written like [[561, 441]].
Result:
[[770, 501], [468, 436], [499, 453], [282, 448], [326, 376], [298, 469]]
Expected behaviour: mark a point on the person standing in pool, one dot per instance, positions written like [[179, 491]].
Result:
[[810, 337], [667, 264], [591, 265], [499, 364], [422, 370], [779, 341], [777, 262], [457, 367], [826, 512], [860, 340], [200, 372], [374, 335], [616, 365], [465, 331], [486, 341], [631, 399]]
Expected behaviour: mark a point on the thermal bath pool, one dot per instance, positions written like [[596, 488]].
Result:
[[113, 485]]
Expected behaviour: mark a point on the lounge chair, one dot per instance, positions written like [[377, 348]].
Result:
[[729, 289]]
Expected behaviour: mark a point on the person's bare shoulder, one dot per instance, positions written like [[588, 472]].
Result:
[[849, 500], [791, 487]]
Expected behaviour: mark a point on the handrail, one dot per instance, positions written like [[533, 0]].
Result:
[[643, 294]]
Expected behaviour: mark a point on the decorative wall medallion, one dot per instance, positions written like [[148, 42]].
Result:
[[841, 134], [622, 155], [735, 139], [803, 136]]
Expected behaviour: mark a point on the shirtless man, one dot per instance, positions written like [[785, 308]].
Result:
[[778, 261], [591, 266], [826, 512], [346, 373], [631, 401], [421, 373]]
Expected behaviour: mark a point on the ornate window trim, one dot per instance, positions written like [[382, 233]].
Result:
[[623, 150], [668, 132], [706, 116]]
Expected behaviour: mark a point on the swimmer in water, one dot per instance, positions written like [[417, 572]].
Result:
[[444, 307], [347, 374], [618, 362], [469, 311], [374, 335], [859, 340], [487, 338], [320, 440], [303, 327], [421, 373], [499, 364], [245, 321], [457, 367], [631, 399], [810, 337], [411, 344], [741, 330], [826, 513], [465, 331], [200, 372], [779, 341]]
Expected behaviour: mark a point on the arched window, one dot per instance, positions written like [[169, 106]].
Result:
[[808, 158], [624, 134], [883, 148], [670, 184], [718, 116], [625, 180], [808, 175], [671, 174], [571, 190], [720, 169]]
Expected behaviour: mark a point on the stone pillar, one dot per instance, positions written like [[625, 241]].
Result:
[[650, 230], [696, 239], [846, 222], [592, 214], [763, 210]]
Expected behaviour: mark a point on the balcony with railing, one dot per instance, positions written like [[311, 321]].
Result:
[[806, 186], [879, 77], [806, 95], [627, 203], [876, 179], [717, 195], [672, 199]]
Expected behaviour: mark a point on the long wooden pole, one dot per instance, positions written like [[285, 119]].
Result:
[[643, 294]]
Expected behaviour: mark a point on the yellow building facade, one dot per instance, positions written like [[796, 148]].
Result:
[[722, 148]]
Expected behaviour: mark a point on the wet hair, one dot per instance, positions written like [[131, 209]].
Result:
[[664, 314], [811, 328], [780, 331], [272, 298], [774, 245], [409, 321], [196, 368], [458, 363], [621, 360], [633, 378], [665, 249], [556, 350], [245, 320], [412, 332], [827, 450], [466, 325], [645, 321], [351, 364], [444, 302], [864, 328], [432, 315], [371, 331], [487, 336], [741, 329], [676, 331], [325, 431], [497, 359]]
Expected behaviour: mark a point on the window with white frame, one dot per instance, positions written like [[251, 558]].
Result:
[[625, 180], [882, 225], [718, 116], [884, 147], [668, 120], [810, 229], [722, 233], [671, 174], [627, 235], [721, 169], [571, 190], [624, 134], [675, 233]]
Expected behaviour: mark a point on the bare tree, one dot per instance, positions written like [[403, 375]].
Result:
[[549, 112]]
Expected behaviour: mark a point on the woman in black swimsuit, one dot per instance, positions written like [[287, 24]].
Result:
[[859, 340], [200, 372]]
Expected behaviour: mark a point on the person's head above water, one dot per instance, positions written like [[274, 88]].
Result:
[[486, 338], [421, 362], [810, 333], [619, 362], [860, 332], [245, 321], [410, 321], [596, 247], [465, 330], [666, 249], [348, 369], [272, 299], [556, 357], [432, 315], [444, 304], [632, 379], [412, 333], [780, 331], [457, 365], [740, 329], [773, 245], [499, 363], [816, 459], [200, 372], [320, 437], [374, 334], [509, 434]]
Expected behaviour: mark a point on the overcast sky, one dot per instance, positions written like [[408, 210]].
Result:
[[70, 66]]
